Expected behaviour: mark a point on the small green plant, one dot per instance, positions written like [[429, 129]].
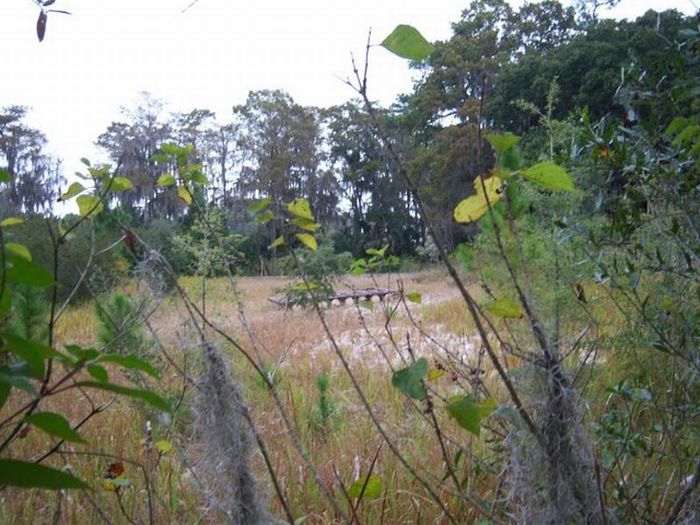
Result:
[[324, 408], [120, 325]]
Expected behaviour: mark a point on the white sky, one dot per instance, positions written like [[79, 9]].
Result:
[[211, 56]]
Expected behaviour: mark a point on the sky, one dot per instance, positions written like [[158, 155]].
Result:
[[209, 56]]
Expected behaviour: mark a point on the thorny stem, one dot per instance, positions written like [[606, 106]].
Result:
[[361, 88]]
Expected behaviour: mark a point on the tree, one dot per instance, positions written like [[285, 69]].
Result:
[[35, 177], [131, 145]]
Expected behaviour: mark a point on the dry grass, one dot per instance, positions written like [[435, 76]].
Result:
[[293, 343]]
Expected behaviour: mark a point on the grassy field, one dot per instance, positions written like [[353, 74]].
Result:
[[292, 346]]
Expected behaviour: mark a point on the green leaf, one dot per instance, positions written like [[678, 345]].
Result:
[[18, 250], [372, 488], [549, 176], [82, 354], [407, 42], [8, 378], [89, 204], [85, 161], [184, 194], [98, 372], [259, 205], [55, 425], [502, 143], [11, 221], [414, 297], [31, 475], [300, 208], [74, 189], [198, 178], [166, 180], [26, 272], [265, 217], [170, 149], [279, 241], [4, 176], [505, 307], [130, 362], [466, 413], [408, 379], [308, 240], [33, 353], [121, 184], [144, 395]]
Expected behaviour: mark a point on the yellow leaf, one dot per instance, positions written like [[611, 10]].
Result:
[[108, 485], [279, 241], [300, 208], [308, 240], [435, 373], [11, 221], [473, 208], [184, 193], [163, 446]]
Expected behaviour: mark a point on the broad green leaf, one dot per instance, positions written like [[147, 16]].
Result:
[[259, 205], [144, 395], [300, 208], [163, 446], [502, 143], [166, 180], [11, 221], [130, 362], [279, 241], [33, 353], [358, 267], [265, 217], [372, 485], [160, 157], [89, 204], [18, 250], [377, 253], [26, 272], [74, 189], [308, 240], [473, 208], [407, 42], [414, 297], [184, 193], [54, 424], [549, 176], [198, 178], [305, 224], [31, 475], [121, 184], [408, 379], [98, 372], [82, 354], [505, 307], [466, 413], [4, 176], [5, 301], [170, 149], [9, 379]]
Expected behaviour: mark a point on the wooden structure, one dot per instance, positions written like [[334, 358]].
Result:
[[338, 298]]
